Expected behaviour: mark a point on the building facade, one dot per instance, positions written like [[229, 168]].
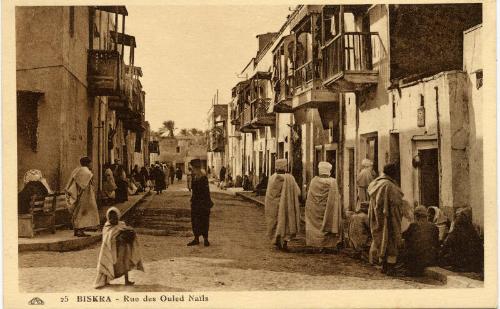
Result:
[[391, 83], [179, 150], [77, 93]]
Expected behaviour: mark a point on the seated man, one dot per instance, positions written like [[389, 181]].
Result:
[[421, 244], [359, 231], [463, 249]]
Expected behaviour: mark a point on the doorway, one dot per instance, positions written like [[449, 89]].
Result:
[[318, 157], [331, 157], [429, 177], [352, 173]]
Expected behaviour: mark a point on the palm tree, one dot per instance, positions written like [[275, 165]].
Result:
[[184, 132], [168, 126]]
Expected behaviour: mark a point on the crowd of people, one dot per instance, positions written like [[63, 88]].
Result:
[[374, 231]]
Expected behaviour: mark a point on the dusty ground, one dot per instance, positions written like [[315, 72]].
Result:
[[239, 258]]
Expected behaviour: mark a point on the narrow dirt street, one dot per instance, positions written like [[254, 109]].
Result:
[[239, 258]]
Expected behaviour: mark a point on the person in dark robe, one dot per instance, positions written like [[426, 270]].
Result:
[[121, 192], [462, 249], [421, 244], [159, 179], [261, 187], [201, 203], [171, 173], [144, 177], [178, 174], [222, 173]]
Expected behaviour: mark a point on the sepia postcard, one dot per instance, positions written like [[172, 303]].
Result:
[[249, 154]]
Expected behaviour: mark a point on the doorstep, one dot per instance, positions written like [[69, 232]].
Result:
[[64, 240]]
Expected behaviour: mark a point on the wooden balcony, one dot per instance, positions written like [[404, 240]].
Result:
[[309, 91], [262, 115], [246, 121], [217, 139], [104, 72], [283, 94], [235, 117], [347, 62]]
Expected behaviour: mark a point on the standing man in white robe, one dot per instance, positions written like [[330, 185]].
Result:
[[323, 211], [282, 208], [80, 198]]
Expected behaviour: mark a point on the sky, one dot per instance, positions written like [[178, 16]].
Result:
[[188, 52]]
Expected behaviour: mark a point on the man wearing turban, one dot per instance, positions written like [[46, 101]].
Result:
[[323, 211], [80, 197], [282, 206]]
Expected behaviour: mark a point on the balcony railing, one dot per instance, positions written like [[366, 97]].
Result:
[[262, 114], [104, 72], [304, 74], [283, 92], [349, 53]]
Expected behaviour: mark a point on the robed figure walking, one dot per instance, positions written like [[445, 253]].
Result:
[[200, 204], [80, 198], [323, 212], [282, 210]]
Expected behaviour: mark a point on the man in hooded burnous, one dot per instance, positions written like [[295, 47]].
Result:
[[282, 206], [201, 203], [323, 211], [80, 197], [385, 214]]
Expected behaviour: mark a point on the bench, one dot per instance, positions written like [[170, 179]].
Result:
[[46, 214]]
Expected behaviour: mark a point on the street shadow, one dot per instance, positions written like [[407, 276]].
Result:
[[141, 288]]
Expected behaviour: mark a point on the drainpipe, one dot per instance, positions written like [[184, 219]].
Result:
[[438, 127], [340, 164]]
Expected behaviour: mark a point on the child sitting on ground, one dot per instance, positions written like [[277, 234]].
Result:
[[120, 251]]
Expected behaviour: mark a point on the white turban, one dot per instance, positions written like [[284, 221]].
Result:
[[281, 165], [366, 163], [324, 168]]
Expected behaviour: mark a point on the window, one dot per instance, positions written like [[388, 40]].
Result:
[[178, 149], [71, 21], [27, 119]]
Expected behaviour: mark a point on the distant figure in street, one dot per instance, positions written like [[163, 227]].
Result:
[[463, 249], [323, 211], [189, 177], [166, 171], [171, 173], [385, 213], [261, 187], [80, 198], [121, 184], [145, 177], [120, 252], [201, 203], [222, 174], [421, 244], [152, 176], [35, 186], [365, 177], [282, 206], [159, 179], [359, 232], [437, 216], [138, 178], [178, 174], [109, 185]]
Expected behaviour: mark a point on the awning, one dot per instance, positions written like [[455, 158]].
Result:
[[122, 10], [121, 38]]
